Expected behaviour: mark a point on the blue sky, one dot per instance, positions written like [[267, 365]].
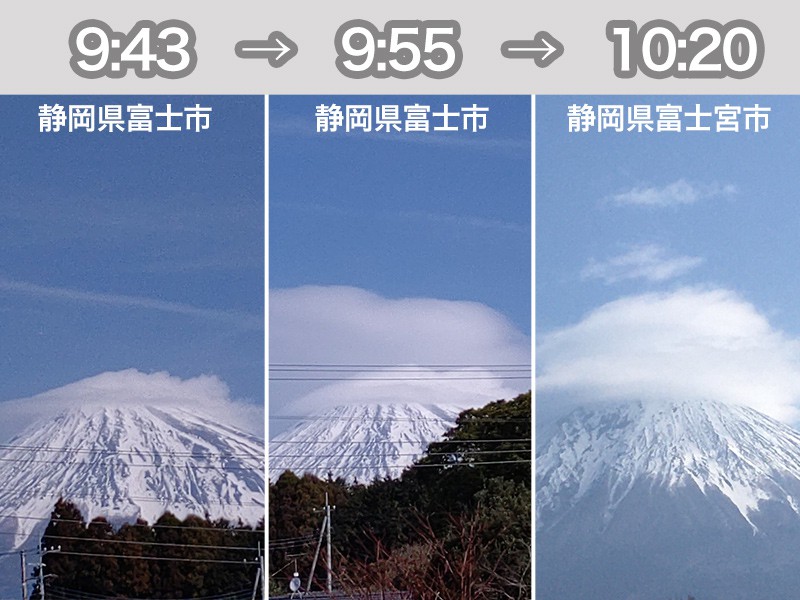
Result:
[[371, 220], [688, 241], [442, 214], [132, 251]]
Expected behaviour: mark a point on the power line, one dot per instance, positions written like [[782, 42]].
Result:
[[291, 545], [288, 543], [163, 500], [478, 463], [99, 463], [136, 499], [439, 440], [408, 454], [87, 524], [145, 543], [438, 378], [154, 525], [161, 558], [397, 368], [294, 539], [274, 366], [140, 452], [442, 465], [69, 594], [464, 420], [182, 527]]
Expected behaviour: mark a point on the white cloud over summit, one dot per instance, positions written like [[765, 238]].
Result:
[[316, 325], [206, 393], [687, 344]]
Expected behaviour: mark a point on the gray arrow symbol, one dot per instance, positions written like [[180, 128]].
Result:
[[543, 49], [278, 49]]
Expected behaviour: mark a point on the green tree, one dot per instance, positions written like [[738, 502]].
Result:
[[455, 525]]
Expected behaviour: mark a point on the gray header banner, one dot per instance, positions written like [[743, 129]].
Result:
[[36, 50]]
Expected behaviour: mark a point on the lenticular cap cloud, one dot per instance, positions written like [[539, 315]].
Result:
[[352, 325], [205, 393], [687, 344], [346, 325], [457, 388]]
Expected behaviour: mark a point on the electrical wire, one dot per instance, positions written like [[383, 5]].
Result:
[[401, 369], [59, 593], [327, 468], [388, 419], [312, 366], [478, 463], [400, 372], [409, 454], [145, 543], [395, 442], [140, 452], [154, 525], [99, 463], [158, 558], [294, 539], [438, 378]]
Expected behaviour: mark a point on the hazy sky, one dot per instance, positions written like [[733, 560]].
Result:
[[132, 251], [411, 249], [667, 263]]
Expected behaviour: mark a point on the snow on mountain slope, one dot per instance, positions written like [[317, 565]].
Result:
[[125, 463], [662, 500], [739, 452], [360, 442]]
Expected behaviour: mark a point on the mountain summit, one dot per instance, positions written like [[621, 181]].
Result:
[[662, 500], [360, 442]]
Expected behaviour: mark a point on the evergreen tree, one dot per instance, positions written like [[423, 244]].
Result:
[[186, 558], [135, 578], [456, 525]]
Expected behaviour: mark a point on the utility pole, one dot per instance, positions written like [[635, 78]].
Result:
[[316, 555], [324, 532], [330, 561], [262, 558], [41, 577], [262, 574], [24, 575], [41, 572], [259, 576]]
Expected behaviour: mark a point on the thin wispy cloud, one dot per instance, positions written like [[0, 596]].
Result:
[[480, 140], [235, 318], [460, 221], [677, 193], [649, 262], [466, 221], [202, 265]]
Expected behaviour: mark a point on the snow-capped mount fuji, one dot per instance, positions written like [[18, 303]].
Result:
[[663, 499], [126, 463], [360, 442]]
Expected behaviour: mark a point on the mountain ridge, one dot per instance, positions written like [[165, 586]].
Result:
[[654, 499], [130, 462], [361, 442]]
